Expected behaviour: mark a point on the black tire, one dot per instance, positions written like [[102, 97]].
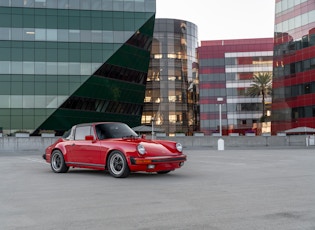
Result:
[[117, 165], [57, 162], [163, 172]]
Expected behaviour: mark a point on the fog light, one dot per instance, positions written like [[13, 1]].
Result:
[[181, 164], [151, 166]]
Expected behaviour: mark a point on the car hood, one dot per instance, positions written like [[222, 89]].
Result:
[[155, 148]]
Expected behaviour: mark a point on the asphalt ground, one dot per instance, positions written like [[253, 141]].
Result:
[[269, 188]]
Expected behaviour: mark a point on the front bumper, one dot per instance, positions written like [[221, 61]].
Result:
[[156, 160], [156, 164]]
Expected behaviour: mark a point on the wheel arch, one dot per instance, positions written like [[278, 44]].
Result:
[[116, 149], [62, 150]]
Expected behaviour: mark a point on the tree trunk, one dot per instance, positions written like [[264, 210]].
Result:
[[263, 106]]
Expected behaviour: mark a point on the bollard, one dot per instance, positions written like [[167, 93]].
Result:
[[220, 144]]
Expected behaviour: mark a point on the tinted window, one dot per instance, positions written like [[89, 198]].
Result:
[[66, 134], [114, 130]]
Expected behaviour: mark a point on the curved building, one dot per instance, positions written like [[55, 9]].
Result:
[[171, 99], [66, 62], [293, 102]]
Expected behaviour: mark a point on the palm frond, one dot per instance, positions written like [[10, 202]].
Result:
[[261, 85]]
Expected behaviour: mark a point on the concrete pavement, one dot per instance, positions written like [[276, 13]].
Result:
[[234, 189]]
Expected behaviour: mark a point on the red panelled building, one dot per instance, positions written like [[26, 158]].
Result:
[[293, 103], [226, 70]]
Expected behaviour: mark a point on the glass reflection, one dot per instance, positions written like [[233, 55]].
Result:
[[173, 77], [108, 5]]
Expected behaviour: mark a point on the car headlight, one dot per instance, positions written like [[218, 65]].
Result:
[[141, 149], [179, 147]]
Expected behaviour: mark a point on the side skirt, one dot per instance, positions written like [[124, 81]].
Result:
[[85, 165]]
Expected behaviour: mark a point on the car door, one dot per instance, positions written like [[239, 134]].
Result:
[[85, 152]]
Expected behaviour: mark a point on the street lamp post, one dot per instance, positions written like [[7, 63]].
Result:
[[219, 100], [152, 132]]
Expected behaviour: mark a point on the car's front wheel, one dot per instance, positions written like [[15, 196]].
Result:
[[117, 165], [57, 162]]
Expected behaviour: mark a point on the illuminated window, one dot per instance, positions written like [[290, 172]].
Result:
[[172, 118], [171, 98], [171, 56], [147, 99], [158, 56]]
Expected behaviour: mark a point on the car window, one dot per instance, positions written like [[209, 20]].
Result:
[[82, 131], [113, 130], [66, 134], [69, 135]]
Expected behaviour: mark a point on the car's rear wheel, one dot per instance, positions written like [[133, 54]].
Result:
[[57, 162], [117, 165], [163, 172]]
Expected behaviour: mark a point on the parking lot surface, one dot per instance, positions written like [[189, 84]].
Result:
[[219, 190]]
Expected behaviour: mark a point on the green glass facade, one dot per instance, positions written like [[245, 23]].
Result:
[[66, 62]]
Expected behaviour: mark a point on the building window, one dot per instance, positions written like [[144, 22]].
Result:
[[307, 88]]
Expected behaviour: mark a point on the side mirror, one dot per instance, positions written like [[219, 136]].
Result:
[[89, 138], [143, 136]]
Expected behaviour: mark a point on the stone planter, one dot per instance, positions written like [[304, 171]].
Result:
[[266, 134], [161, 134], [281, 134], [23, 135], [196, 134], [180, 134], [47, 135], [250, 134]]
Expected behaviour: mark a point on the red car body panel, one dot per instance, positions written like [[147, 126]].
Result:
[[93, 154]]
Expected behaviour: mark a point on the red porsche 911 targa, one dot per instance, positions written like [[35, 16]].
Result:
[[114, 147]]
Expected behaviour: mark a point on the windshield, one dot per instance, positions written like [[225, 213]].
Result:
[[114, 130]]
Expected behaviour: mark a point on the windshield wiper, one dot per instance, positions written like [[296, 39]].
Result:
[[130, 136]]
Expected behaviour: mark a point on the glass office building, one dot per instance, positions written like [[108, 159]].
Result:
[[171, 99], [71, 61], [293, 102], [226, 71]]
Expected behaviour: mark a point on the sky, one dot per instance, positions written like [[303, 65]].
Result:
[[223, 19]]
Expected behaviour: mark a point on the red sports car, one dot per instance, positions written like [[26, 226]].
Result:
[[114, 147]]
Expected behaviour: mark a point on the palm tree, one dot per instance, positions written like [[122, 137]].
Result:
[[261, 86]]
